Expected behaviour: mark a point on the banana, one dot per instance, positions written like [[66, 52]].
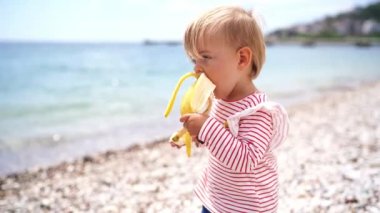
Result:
[[175, 91], [197, 99]]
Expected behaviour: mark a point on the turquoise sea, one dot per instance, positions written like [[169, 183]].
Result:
[[59, 101]]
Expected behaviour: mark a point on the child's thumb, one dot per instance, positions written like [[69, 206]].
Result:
[[184, 118]]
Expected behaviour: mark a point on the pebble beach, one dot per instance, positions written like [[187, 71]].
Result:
[[329, 163]]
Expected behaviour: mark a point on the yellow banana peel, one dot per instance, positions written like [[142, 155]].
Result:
[[197, 99]]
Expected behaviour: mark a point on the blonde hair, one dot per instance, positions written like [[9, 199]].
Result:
[[235, 25]]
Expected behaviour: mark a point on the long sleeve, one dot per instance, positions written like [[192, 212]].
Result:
[[241, 173], [243, 152]]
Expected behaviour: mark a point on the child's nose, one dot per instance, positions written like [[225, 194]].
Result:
[[198, 69]]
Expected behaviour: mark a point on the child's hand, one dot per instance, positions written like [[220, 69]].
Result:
[[193, 123], [178, 146], [174, 144]]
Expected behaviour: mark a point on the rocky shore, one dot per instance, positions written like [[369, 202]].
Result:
[[330, 163]]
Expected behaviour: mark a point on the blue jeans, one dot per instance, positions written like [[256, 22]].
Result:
[[204, 210]]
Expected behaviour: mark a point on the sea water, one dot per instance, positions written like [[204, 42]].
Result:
[[59, 101]]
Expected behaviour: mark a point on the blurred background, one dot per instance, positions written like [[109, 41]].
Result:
[[84, 76]]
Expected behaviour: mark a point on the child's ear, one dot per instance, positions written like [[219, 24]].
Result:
[[245, 57]]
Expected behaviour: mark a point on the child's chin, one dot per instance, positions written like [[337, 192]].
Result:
[[219, 96]]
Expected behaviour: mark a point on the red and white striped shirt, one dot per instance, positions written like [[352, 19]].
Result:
[[241, 175]]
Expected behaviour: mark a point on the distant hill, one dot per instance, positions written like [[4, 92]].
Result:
[[361, 22]]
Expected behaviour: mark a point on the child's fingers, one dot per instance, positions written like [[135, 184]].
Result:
[[173, 144], [195, 140], [184, 120]]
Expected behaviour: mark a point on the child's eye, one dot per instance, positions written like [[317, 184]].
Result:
[[206, 57], [203, 59]]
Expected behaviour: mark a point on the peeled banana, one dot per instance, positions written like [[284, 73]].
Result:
[[197, 99]]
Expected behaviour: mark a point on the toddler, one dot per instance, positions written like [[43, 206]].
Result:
[[243, 127]]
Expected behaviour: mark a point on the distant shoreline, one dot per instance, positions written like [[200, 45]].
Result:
[[311, 41], [320, 43]]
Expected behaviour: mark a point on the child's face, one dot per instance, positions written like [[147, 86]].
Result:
[[219, 62]]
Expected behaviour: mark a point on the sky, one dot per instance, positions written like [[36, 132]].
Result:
[[137, 20]]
